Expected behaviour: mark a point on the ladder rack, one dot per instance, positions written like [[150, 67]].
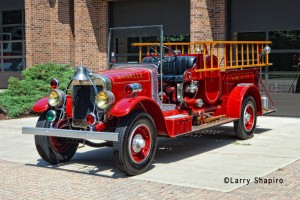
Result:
[[230, 54]]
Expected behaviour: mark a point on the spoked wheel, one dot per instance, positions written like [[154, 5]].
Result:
[[245, 126], [135, 150], [54, 150]]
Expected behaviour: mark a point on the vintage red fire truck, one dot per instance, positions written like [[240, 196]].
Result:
[[173, 89]]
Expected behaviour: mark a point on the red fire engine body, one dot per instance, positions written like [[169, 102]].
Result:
[[168, 95]]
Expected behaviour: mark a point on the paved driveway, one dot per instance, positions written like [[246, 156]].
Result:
[[201, 163]]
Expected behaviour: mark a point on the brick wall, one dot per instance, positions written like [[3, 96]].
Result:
[[67, 32], [86, 33], [208, 20], [49, 34], [220, 20], [103, 28], [37, 19]]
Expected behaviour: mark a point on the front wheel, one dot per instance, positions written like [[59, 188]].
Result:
[[54, 150], [135, 150], [245, 126]]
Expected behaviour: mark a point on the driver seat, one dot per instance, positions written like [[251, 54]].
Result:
[[173, 72]]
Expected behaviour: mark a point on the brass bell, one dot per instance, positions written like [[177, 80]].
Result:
[[81, 74]]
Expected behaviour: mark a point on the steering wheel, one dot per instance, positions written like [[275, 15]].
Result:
[[168, 56]]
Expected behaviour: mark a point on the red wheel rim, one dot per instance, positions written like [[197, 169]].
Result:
[[140, 143], [249, 117], [58, 145]]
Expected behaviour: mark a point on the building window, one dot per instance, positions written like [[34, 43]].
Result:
[[284, 75], [12, 17], [285, 39], [285, 54], [12, 41], [286, 50]]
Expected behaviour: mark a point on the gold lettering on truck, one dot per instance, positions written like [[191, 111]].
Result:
[[130, 76]]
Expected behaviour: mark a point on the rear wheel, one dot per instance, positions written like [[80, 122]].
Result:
[[245, 126], [54, 150], [135, 150]]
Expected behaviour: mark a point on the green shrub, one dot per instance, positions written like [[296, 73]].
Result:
[[20, 96]]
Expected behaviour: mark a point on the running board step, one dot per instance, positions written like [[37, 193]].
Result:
[[210, 125]]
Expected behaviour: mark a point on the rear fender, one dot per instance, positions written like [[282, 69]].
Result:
[[236, 96], [126, 105]]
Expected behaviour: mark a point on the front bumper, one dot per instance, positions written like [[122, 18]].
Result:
[[88, 135]]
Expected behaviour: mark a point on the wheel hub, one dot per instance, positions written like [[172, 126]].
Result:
[[247, 117], [138, 143]]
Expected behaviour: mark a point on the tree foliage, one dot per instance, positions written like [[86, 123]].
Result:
[[20, 96]]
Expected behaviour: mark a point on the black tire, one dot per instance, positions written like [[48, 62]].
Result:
[[245, 126], [46, 148], [129, 157]]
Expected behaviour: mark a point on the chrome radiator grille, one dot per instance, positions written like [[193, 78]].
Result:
[[83, 103]]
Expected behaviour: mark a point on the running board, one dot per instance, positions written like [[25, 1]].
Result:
[[210, 125]]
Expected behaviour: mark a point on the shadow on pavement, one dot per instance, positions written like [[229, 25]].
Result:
[[100, 161]]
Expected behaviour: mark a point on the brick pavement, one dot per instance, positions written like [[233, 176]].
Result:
[[19, 181]]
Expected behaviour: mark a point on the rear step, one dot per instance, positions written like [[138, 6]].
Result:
[[266, 112]]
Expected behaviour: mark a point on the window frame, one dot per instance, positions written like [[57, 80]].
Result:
[[22, 41]]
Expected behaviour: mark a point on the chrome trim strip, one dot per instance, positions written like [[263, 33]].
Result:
[[154, 82], [245, 84], [91, 135], [177, 116]]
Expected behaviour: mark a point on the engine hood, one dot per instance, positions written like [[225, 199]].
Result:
[[120, 77], [127, 75]]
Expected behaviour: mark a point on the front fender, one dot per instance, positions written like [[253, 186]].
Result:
[[236, 96], [126, 105], [41, 105]]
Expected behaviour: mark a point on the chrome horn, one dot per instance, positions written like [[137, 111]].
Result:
[[81, 74]]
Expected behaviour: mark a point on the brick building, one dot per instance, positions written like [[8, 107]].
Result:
[[71, 31]]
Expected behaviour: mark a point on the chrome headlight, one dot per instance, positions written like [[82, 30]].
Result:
[[56, 98], [105, 99]]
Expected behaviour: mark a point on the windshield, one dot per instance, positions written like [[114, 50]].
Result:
[[121, 40]]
